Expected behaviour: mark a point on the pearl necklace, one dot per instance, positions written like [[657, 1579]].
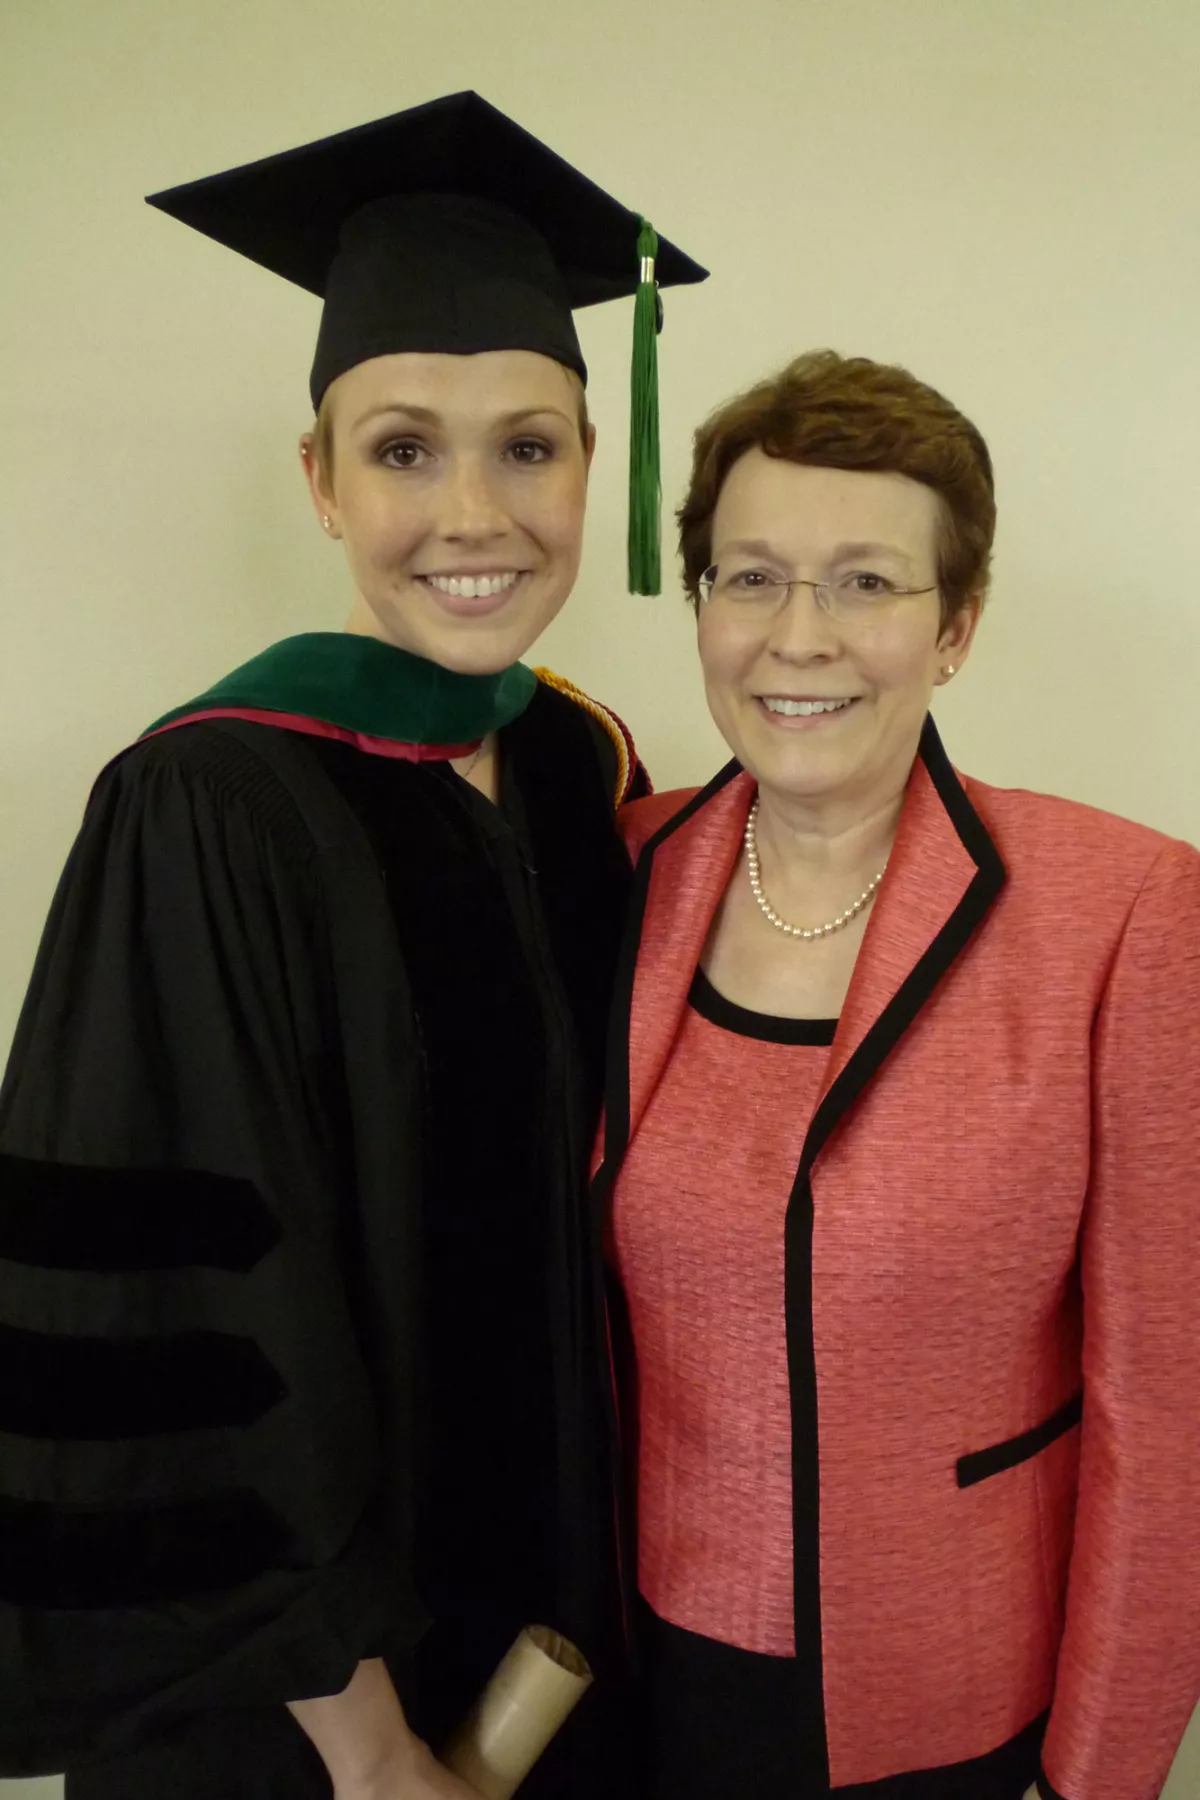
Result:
[[768, 910]]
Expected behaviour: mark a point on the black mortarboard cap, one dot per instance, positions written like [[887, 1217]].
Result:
[[447, 227]]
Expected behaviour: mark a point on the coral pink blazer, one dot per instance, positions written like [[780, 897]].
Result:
[[992, 1277]]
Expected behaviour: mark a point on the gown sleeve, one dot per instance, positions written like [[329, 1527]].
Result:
[[1129, 1665], [188, 1449]]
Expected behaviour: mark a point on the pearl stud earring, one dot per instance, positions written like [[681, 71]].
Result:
[[326, 521], [949, 670]]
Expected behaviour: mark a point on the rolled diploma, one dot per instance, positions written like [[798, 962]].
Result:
[[539, 1682]]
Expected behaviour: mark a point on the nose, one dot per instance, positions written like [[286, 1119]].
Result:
[[470, 509], [802, 630]]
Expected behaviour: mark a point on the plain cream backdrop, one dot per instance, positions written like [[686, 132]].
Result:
[[1002, 194]]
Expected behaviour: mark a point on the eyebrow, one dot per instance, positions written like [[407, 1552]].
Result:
[[840, 552], [424, 415], [843, 552], [752, 547]]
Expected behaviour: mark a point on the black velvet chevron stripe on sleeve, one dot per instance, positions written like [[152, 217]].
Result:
[[85, 1558], [190, 1447], [94, 1388], [113, 1220]]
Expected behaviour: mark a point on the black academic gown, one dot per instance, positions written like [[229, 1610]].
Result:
[[301, 1338]]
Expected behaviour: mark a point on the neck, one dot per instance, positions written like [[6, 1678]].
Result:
[[482, 768], [816, 843]]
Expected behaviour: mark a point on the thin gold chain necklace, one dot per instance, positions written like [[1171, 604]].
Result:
[[480, 748], [768, 911]]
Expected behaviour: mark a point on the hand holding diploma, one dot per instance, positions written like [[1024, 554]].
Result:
[[371, 1754], [535, 1688]]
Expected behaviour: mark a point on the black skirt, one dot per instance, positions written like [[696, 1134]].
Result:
[[720, 1723]]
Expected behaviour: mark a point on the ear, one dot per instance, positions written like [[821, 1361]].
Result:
[[956, 637], [589, 448], [319, 488]]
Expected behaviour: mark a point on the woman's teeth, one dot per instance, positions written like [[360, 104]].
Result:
[[801, 709], [472, 587]]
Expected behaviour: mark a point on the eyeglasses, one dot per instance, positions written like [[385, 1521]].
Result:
[[853, 596]]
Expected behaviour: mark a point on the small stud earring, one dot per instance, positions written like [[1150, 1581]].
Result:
[[949, 670], [326, 521]]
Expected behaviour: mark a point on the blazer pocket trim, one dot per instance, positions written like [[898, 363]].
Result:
[[981, 1464]]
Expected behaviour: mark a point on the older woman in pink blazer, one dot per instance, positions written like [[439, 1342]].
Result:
[[902, 1157]]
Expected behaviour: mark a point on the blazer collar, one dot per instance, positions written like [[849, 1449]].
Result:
[[681, 874], [944, 874]]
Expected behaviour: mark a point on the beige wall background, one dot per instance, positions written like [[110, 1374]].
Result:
[[1002, 194]]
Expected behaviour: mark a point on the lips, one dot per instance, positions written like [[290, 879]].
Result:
[[784, 707], [474, 586], [473, 596]]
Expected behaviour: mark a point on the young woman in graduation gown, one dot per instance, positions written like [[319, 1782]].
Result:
[[904, 1152], [304, 1391]]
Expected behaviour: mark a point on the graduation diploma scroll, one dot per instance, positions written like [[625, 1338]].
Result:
[[540, 1681]]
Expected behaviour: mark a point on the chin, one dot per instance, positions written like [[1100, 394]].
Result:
[[811, 780], [481, 649], [485, 650], [478, 652], [462, 659]]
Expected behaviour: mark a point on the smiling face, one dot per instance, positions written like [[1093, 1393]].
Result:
[[825, 711], [458, 486]]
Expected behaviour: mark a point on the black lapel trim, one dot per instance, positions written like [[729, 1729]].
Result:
[[870, 1055], [616, 1086], [918, 985], [1044, 1789], [806, 1476]]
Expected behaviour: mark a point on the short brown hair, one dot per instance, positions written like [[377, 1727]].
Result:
[[851, 413]]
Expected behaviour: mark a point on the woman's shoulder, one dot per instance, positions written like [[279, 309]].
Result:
[[1027, 826], [625, 775], [171, 779], [196, 749], [640, 819]]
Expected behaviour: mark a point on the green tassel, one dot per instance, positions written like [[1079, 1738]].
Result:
[[645, 475]]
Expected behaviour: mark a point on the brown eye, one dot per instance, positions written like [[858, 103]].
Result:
[[402, 453], [865, 583], [528, 451]]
